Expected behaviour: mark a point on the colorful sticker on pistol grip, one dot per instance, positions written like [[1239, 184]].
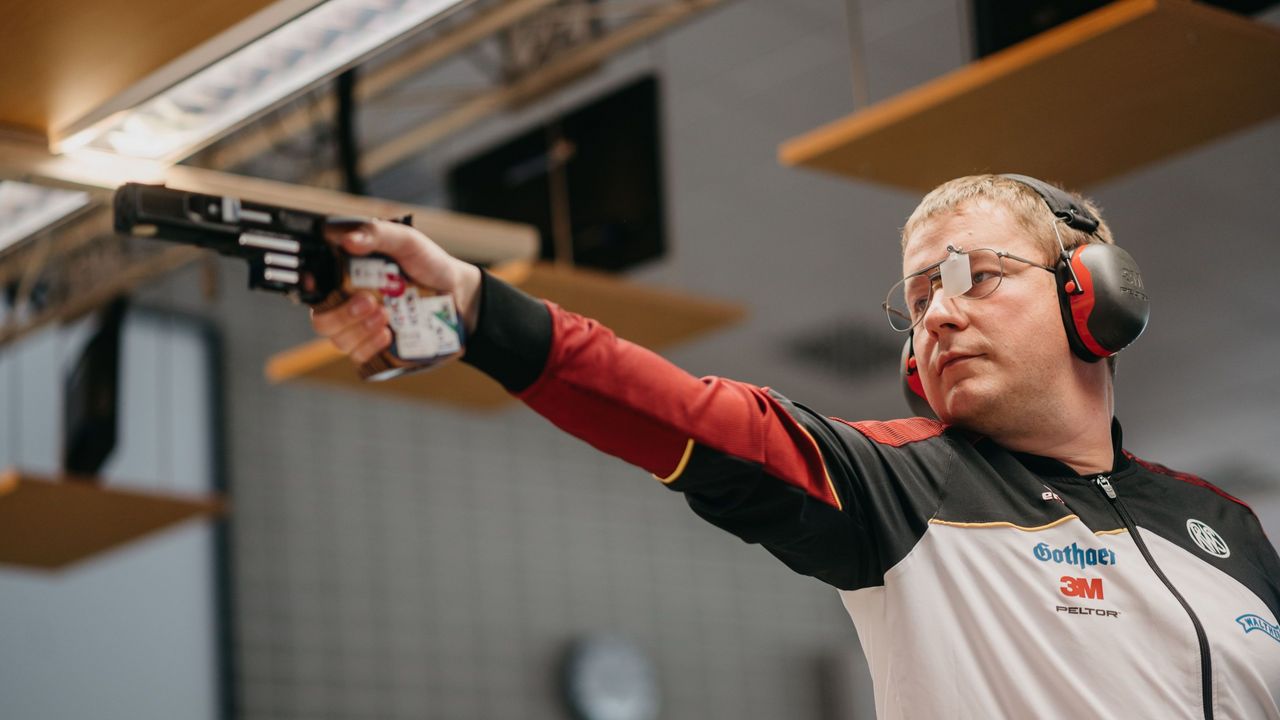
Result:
[[372, 273], [425, 324]]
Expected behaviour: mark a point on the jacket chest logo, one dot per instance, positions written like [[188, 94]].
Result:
[[1050, 496], [1207, 539], [1250, 622]]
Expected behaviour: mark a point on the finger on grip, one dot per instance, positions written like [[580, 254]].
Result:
[[335, 300], [371, 346], [352, 310], [357, 333]]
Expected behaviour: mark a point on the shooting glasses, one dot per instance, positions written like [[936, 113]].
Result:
[[972, 274]]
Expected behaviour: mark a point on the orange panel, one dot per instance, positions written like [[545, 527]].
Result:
[[60, 59], [48, 523], [1126, 85]]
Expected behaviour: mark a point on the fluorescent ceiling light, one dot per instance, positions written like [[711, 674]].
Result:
[[198, 110], [25, 209]]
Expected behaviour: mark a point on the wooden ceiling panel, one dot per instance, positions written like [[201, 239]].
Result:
[[61, 59], [1124, 86], [49, 522]]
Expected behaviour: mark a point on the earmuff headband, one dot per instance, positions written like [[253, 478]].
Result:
[[1061, 204]]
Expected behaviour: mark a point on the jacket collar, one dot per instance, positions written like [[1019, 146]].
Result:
[[1047, 466]]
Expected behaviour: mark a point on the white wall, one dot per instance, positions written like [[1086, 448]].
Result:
[[132, 633]]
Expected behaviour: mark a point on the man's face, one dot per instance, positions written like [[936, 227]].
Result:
[[999, 364]]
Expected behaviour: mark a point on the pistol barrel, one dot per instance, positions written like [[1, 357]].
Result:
[[285, 248]]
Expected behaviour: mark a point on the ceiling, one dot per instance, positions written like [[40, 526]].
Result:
[[63, 59]]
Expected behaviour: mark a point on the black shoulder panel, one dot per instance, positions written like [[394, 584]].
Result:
[[889, 491], [1177, 507], [996, 488], [808, 535]]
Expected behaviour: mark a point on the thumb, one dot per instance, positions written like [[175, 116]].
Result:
[[423, 260]]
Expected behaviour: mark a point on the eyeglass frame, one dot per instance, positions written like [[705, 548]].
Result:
[[952, 250]]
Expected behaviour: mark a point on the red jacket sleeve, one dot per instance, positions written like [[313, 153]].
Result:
[[635, 405]]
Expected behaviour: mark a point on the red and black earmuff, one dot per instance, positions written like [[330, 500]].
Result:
[[912, 386], [1104, 305]]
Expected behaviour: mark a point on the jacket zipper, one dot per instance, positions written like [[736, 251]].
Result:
[[1206, 667]]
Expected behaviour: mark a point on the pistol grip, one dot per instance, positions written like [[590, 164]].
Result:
[[425, 327], [378, 364], [335, 298]]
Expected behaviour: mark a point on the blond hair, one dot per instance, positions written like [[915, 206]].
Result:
[[1024, 204]]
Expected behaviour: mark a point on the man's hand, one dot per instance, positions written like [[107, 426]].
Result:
[[359, 327]]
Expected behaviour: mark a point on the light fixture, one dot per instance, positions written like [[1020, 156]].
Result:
[[206, 105], [26, 208]]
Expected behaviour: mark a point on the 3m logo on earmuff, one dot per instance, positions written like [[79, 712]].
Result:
[[1133, 282]]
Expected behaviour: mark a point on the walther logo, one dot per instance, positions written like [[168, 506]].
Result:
[[1073, 554], [1251, 622]]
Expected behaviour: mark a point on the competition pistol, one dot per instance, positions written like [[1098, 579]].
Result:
[[287, 253]]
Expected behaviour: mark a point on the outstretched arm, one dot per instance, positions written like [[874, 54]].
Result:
[[746, 457]]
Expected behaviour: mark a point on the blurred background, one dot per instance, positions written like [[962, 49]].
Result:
[[435, 554]]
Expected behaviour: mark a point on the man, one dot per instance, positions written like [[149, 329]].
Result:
[[1009, 559]]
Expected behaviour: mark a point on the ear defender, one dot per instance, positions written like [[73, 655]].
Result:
[[912, 387], [1104, 305]]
